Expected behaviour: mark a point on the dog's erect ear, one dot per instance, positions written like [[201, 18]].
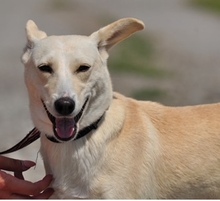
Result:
[[33, 33], [116, 32]]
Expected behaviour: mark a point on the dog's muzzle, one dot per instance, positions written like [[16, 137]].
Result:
[[65, 128]]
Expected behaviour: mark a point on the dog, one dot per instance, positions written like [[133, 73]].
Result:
[[100, 144]]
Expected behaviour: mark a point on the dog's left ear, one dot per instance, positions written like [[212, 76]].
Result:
[[116, 32], [33, 33]]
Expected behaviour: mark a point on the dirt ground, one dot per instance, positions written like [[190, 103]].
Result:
[[186, 40]]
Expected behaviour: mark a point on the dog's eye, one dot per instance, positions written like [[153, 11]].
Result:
[[45, 68], [83, 68]]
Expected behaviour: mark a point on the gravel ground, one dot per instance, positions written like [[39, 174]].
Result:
[[187, 43]]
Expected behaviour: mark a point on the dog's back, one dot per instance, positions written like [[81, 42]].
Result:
[[165, 152]]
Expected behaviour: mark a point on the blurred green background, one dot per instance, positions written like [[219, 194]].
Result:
[[208, 5]]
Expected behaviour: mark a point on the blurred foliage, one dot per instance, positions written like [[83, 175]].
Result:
[[212, 5], [59, 5], [151, 94], [134, 56]]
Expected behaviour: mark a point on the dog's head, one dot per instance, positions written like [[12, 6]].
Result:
[[67, 76]]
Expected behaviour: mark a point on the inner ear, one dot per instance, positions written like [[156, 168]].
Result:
[[116, 32]]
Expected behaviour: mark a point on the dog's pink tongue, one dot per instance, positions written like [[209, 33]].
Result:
[[65, 127]]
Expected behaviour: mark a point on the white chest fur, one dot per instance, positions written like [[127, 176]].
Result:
[[73, 165]]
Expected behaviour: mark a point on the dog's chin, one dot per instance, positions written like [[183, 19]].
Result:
[[65, 128]]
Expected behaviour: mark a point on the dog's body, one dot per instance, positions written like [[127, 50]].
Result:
[[136, 149]]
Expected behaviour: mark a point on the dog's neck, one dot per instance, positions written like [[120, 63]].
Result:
[[76, 158]]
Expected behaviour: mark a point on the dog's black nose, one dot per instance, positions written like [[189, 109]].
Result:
[[64, 106]]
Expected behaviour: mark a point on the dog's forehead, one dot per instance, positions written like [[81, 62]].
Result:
[[67, 43], [59, 46]]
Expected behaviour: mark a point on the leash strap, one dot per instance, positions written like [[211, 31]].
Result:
[[32, 136]]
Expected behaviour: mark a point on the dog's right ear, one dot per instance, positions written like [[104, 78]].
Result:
[[115, 32], [33, 33]]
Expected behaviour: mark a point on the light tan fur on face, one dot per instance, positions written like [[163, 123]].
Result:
[[141, 149]]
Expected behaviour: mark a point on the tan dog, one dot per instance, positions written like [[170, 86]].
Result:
[[103, 145]]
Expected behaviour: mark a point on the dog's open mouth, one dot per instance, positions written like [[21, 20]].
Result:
[[65, 128]]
